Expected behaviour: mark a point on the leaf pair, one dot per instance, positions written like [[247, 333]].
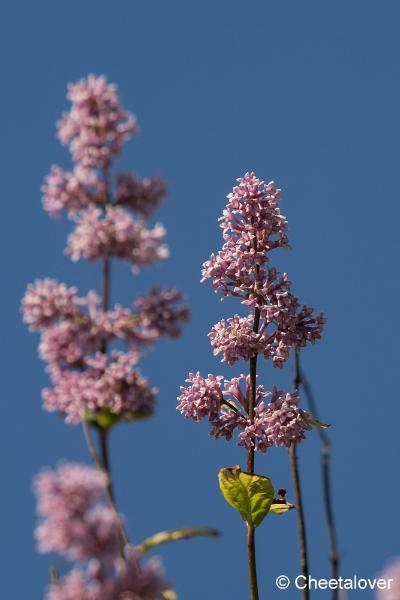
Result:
[[251, 495]]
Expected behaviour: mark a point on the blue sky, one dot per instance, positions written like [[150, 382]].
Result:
[[307, 94]]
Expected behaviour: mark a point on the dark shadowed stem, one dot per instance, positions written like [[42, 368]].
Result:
[[294, 468], [300, 516], [123, 536], [251, 554], [54, 575], [251, 546], [105, 461], [105, 284], [334, 556]]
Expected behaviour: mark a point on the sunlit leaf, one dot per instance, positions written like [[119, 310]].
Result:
[[316, 423], [278, 508], [165, 537], [251, 495]]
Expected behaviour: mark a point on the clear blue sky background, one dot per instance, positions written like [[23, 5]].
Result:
[[306, 93]]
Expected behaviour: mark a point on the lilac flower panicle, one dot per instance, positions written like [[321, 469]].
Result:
[[45, 301], [162, 310], [96, 125], [201, 398], [73, 523], [90, 380], [144, 581], [252, 214], [122, 581], [252, 227], [235, 339], [72, 192], [116, 234], [77, 586], [140, 195], [111, 384], [281, 422], [76, 523], [226, 423]]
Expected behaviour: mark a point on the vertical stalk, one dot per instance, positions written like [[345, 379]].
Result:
[[105, 284], [334, 557], [251, 546], [251, 555], [294, 468], [101, 459], [104, 458], [300, 517]]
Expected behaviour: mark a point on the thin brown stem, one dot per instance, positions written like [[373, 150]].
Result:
[[105, 460], [124, 540], [300, 517], [334, 556], [251, 555], [253, 390], [105, 284], [294, 468], [54, 576], [251, 546]]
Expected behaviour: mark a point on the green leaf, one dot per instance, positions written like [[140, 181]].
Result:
[[165, 537], [105, 419], [316, 423], [278, 508], [251, 495]]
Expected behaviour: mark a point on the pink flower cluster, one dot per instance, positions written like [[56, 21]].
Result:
[[125, 580], [96, 125], [163, 311], [116, 233], [276, 322], [111, 384], [235, 338], [91, 379], [95, 128], [73, 191], [252, 227], [140, 195], [225, 404], [73, 332], [76, 523]]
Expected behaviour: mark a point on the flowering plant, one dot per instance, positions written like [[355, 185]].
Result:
[[275, 323], [93, 382]]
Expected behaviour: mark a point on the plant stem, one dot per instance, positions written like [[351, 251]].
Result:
[[123, 536], [105, 284], [334, 556], [300, 517], [102, 462], [251, 546], [294, 468], [54, 575], [251, 555], [104, 457]]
